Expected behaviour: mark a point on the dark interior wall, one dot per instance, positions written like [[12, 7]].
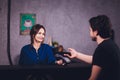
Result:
[[66, 21]]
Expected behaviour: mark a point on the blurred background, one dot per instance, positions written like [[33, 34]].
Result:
[[66, 22]]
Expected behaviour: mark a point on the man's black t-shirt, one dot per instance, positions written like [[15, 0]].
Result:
[[107, 56]]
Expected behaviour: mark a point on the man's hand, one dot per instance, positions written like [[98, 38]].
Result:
[[73, 53]]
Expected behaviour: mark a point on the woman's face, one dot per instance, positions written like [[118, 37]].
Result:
[[39, 37]]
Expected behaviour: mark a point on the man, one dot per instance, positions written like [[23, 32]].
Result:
[[106, 58]]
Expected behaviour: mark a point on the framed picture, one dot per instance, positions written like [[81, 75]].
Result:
[[26, 23]]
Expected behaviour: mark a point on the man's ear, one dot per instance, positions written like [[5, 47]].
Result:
[[96, 32]]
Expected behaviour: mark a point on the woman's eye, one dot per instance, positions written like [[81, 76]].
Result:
[[41, 33], [44, 34]]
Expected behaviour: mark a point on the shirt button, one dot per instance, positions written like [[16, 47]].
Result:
[[37, 58]]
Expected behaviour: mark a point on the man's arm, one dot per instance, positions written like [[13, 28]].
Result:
[[95, 72], [78, 55]]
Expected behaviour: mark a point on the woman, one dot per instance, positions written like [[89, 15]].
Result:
[[37, 52]]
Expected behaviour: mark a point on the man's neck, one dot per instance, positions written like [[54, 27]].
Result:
[[100, 40]]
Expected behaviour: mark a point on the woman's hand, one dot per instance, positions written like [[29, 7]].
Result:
[[59, 62]]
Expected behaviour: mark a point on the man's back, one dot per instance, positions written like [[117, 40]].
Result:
[[107, 56]]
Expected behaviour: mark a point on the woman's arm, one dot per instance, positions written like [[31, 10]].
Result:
[[51, 57]]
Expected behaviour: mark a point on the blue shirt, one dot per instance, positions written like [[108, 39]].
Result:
[[29, 55]]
